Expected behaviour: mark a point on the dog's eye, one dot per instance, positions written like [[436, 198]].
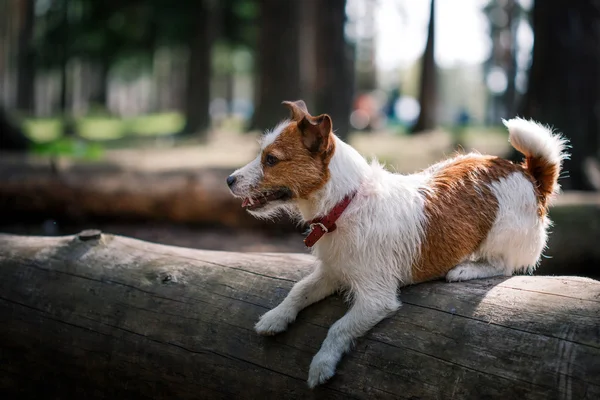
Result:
[[270, 160]]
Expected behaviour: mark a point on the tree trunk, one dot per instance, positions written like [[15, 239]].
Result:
[[197, 106], [12, 137], [428, 88], [564, 84], [65, 86], [96, 316], [100, 94], [229, 78], [25, 61], [7, 43], [335, 65], [278, 59], [512, 8], [308, 66]]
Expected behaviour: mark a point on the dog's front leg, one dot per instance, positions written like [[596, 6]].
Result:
[[368, 310], [307, 291]]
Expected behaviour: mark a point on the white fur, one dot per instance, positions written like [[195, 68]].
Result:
[[270, 136], [468, 270], [536, 140], [518, 235], [379, 236]]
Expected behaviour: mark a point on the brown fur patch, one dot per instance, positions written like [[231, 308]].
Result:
[[544, 176], [298, 169], [460, 209]]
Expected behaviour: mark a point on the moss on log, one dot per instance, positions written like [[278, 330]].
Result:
[[112, 317]]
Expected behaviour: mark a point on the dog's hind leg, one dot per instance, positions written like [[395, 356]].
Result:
[[369, 308], [305, 292], [469, 270]]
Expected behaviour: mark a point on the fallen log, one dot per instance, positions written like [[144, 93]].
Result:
[[102, 191], [97, 316]]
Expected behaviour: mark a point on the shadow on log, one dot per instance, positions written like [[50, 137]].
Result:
[[111, 317]]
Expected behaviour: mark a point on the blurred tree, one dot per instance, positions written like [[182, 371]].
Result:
[[278, 60], [334, 83], [238, 33], [564, 84], [200, 46], [501, 67], [428, 85], [6, 45], [99, 32], [64, 54], [25, 55], [366, 68]]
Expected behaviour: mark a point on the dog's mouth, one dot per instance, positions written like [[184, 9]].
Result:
[[262, 199]]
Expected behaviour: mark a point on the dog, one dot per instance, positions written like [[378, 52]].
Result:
[[471, 216]]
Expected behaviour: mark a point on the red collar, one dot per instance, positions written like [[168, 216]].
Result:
[[323, 225]]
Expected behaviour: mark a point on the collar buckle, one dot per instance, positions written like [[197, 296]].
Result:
[[319, 224], [327, 221]]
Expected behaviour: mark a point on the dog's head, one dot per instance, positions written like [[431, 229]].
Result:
[[293, 163]]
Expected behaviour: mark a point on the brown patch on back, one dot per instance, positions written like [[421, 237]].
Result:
[[460, 209], [544, 176], [298, 168]]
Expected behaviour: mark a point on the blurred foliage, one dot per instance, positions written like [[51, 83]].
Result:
[[125, 33], [69, 147], [45, 131]]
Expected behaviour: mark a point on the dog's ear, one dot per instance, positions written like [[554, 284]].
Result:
[[297, 108], [316, 132]]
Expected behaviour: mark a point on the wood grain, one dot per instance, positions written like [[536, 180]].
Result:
[[122, 318]]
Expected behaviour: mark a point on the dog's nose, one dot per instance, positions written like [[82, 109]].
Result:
[[230, 180]]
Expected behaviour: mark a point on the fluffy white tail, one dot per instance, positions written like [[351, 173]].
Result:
[[544, 153]]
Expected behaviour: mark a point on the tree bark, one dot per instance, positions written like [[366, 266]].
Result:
[[428, 86], [26, 60], [513, 9], [64, 58], [564, 84], [112, 317], [197, 105], [278, 61], [335, 65], [100, 94]]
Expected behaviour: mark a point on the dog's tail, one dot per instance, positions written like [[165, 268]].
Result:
[[544, 153]]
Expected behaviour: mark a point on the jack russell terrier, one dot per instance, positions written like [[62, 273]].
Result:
[[471, 216]]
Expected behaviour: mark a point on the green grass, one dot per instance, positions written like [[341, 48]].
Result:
[[103, 128], [43, 130], [156, 124]]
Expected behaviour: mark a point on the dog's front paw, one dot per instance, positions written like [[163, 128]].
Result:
[[322, 368], [457, 274], [273, 322]]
